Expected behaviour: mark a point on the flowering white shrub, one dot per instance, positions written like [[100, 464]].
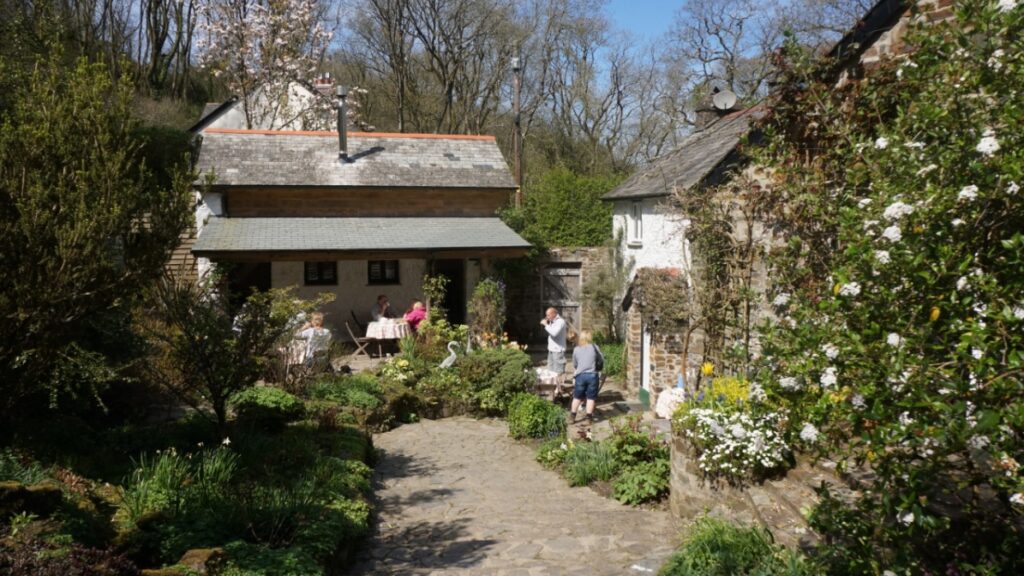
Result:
[[731, 444], [925, 391]]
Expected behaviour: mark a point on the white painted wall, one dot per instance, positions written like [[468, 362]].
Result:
[[352, 292], [663, 243], [291, 114], [208, 204]]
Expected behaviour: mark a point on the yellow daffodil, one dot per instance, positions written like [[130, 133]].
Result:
[[934, 315], [707, 369]]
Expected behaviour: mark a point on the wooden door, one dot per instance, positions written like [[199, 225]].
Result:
[[561, 286]]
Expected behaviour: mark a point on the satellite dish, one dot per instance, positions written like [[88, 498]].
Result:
[[724, 100]]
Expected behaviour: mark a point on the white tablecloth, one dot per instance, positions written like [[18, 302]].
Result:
[[387, 330]]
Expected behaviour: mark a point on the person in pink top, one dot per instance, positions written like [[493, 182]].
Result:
[[415, 315]]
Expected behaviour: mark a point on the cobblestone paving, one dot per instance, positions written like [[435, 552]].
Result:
[[458, 496]]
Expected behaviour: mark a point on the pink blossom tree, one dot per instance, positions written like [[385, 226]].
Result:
[[266, 51]]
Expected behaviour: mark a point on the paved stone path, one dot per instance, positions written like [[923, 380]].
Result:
[[458, 496]]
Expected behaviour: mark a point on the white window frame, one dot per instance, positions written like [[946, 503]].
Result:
[[635, 225]]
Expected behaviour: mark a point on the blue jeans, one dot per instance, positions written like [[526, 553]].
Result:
[[586, 386]]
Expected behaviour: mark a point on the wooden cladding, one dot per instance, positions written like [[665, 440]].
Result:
[[243, 202]]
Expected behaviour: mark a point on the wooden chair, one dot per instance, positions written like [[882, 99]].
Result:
[[361, 342], [360, 325]]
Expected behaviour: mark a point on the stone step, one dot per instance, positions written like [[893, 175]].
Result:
[[787, 525]]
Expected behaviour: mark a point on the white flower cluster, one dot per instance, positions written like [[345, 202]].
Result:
[[1007, 5], [892, 234], [789, 383], [809, 433], [897, 210], [849, 289], [894, 340], [736, 444], [988, 145], [828, 377], [967, 193], [781, 300], [830, 350]]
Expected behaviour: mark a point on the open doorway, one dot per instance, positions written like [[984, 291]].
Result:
[[246, 277], [455, 299]]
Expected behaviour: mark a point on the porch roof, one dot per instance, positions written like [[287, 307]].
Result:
[[356, 238]]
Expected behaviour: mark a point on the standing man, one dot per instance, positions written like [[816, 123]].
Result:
[[555, 327]]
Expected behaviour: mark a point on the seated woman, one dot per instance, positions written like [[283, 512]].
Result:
[[416, 314], [317, 338]]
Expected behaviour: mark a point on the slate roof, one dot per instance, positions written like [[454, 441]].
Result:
[[211, 112], [691, 162], [878, 20], [280, 158], [354, 234]]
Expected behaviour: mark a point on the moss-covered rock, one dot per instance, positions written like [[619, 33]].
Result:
[[203, 560], [41, 499]]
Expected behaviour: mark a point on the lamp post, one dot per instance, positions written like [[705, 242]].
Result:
[[517, 130]]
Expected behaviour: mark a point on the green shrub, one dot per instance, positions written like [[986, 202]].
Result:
[[268, 407], [445, 392], [174, 484], [552, 452], [587, 462], [434, 335], [496, 374], [530, 416], [487, 310], [631, 445], [643, 482], [718, 548], [614, 357], [245, 559], [14, 466], [362, 390]]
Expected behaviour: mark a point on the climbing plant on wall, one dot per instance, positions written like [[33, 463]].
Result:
[[900, 345]]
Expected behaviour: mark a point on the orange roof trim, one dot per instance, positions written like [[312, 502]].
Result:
[[357, 134]]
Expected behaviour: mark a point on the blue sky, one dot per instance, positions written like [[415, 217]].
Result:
[[646, 19]]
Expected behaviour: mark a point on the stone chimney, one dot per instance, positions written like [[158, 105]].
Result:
[[324, 84], [715, 105]]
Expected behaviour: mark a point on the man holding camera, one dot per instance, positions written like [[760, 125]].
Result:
[[555, 327]]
